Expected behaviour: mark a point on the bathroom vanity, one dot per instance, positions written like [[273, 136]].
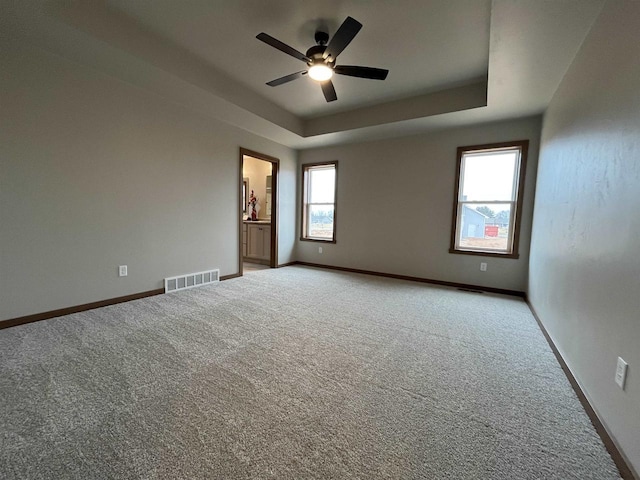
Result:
[[256, 241]]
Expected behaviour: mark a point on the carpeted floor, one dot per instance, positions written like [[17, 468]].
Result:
[[293, 373]]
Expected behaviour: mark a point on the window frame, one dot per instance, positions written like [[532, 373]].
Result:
[[305, 205], [516, 208]]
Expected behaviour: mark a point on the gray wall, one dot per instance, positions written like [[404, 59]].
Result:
[[585, 262], [96, 173], [395, 200]]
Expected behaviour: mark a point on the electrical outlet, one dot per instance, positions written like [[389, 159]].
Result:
[[319, 249], [483, 266], [122, 271], [621, 372]]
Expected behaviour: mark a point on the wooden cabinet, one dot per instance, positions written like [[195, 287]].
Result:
[[258, 242]]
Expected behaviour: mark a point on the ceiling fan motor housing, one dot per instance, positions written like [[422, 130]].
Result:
[[316, 53]]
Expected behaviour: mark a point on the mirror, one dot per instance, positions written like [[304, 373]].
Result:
[[245, 189], [267, 198]]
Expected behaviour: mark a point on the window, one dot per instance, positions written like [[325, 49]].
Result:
[[488, 199], [319, 201]]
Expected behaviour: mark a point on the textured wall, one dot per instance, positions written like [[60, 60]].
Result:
[[96, 173], [585, 267], [395, 200]]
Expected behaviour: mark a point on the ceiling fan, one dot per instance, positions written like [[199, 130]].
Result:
[[321, 59]]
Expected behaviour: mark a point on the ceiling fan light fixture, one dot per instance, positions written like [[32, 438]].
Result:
[[320, 73]]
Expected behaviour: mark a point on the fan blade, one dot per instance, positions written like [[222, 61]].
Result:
[[347, 31], [329, 91], [286, 78], [283, 47], [362, 72]]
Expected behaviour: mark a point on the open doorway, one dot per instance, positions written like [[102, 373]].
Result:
[[258, 214]]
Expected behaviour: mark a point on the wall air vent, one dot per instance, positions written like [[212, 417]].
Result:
[[191, 280]]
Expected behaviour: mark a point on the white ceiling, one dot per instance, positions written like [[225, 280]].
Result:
[[451, 62]]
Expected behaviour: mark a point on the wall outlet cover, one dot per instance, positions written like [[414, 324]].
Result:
[[621, 372], [122, 271], [483, 267]]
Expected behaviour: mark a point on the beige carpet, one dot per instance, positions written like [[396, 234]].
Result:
[[293, 373]]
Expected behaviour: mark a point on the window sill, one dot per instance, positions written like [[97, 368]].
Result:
[[321, 240], [514, 255]]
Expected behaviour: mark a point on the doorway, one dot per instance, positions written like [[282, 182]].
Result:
[[258, 233]]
